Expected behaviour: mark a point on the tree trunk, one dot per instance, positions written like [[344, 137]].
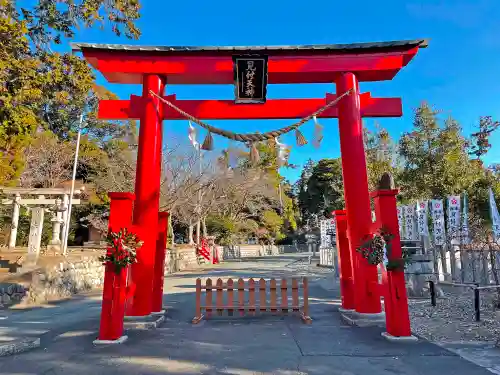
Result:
[[190, 232], [198, 232], [171, 227], [204, 224]]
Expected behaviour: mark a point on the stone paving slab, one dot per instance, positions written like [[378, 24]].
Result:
[[268, 345], [362, 342], [247, 348], [486, 355], [414, 365]]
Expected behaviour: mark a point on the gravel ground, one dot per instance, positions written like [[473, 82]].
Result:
[[453, 320]]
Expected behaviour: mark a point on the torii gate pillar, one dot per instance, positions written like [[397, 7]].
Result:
[[147, 192], [357, 196]]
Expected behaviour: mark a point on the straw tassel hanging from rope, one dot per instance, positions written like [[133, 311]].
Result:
[[301, 140], [208, 143]]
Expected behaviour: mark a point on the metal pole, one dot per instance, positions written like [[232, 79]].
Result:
[[477, 305], [432, 290], [198, 204], [72, 191], [281, 198]]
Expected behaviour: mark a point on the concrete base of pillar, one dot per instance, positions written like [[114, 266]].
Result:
[[346, 311], [121, 340], [392, 338], [142, 324], [159, 313], [138, 318], [363, 320]]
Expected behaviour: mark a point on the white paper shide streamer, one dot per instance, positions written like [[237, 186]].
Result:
[[282, 152], [422, 223], [192, 136], [454, 216], [495, 217], [437, 213], [318, 133]]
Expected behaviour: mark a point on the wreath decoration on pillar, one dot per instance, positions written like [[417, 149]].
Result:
[[121, 249], [377, 245]]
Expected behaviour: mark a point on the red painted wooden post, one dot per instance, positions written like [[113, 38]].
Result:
[[219, 298], [230, 297], [114, 290], [345, 265], [295, 295], [262, 295], [284, 296], [396, 299], [241, 296], [356, 192], [161, 245], [199, 316], [272, 291], [251, 296], [147, 190], [208, 298]]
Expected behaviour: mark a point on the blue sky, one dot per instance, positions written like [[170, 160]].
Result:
[[458, 74]]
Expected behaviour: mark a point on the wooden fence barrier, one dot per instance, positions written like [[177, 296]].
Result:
[[229, 288]]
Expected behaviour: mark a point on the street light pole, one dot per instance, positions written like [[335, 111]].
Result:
[[72, 190]]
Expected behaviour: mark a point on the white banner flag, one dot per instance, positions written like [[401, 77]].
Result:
[[454, 216], [410, 232], [465, 220], [328, 229], [422, 223], [495, 217], [437, 213], [400, 220]]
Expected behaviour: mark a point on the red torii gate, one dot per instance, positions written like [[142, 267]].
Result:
[[156, 67]]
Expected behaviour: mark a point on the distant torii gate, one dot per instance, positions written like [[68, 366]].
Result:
[[156, 67]]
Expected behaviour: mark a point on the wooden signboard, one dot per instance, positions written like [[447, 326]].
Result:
[[250, 76]]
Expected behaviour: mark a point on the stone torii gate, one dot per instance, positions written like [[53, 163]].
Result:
[[158, 67], [59, 205]]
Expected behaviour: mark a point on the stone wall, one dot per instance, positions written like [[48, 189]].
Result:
[[184, 258], [55, 282], [180, 259], [87, 273], [65, 280], [249, 251]]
